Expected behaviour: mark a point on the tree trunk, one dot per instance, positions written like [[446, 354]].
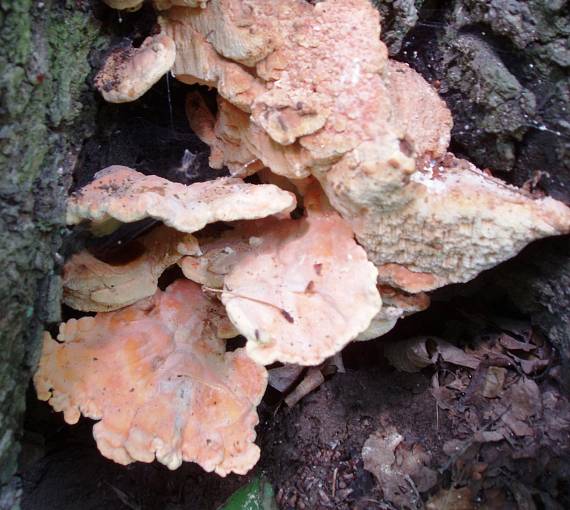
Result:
[[46, 111]]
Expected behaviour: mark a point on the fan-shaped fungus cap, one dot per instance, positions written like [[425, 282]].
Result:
[[198, 62], [158, 378], [454, 223], [222, 135], [162, 5], [129, 72], [121, 194], [298, 290], [238, 31], [395, 305], [124, 5], [319, 286], [94, 285]]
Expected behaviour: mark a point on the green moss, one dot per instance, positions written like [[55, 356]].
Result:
[[16, 14], [44, 82], [70, 41], [43, 74]]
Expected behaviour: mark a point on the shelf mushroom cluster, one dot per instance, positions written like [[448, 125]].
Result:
[[309, 102]]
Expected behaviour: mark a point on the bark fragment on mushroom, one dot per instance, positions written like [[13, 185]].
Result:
[[158, 378]]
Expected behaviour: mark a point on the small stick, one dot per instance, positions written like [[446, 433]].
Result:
[[249, 163], [282, 311], [335, 472], [436, 415]]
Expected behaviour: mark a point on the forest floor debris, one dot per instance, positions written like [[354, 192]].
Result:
[[489, 435]]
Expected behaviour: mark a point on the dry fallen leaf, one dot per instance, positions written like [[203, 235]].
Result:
[[416, 353], [508, 342], [379, 458], [494, 381], [414, 461], [451, 499], [524, 401], [401, 469]]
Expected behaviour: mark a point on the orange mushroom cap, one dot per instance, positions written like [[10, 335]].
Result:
[[298, 290], [121, 194], [129, 72], [94, 285], [158, 378]]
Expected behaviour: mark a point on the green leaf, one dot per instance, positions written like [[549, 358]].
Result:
[[256, 495]]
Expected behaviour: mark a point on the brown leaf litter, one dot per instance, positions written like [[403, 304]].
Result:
[[508, 417]]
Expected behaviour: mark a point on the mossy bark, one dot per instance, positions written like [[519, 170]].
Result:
[[45, 114]]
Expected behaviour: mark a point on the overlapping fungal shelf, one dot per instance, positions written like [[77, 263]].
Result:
[[309, 101]]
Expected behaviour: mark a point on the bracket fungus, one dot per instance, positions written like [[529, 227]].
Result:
[[298, 290], [124, 5], [327, 102], [129, 72], [120, 194], [158, 378], [307, 95], [94, 285], [455, 222], [308, 99]]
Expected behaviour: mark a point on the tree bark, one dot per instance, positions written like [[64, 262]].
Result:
[[46, 111]]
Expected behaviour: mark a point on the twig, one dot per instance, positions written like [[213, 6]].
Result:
[[288, 317], [436, 415], [335, 473], [408, 479]]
